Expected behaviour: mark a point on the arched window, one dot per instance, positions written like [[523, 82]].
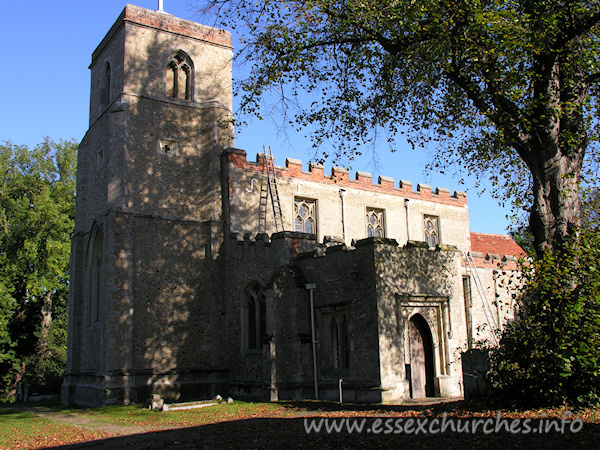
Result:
[[105, 87], [95, 276], [374, 222], [179, 77], [432, 230], [306, 215], [338, 340], [256, 317]]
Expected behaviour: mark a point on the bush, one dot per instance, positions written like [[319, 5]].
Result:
[[550, 355], [45, 368]]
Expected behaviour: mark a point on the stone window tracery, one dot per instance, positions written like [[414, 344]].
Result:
[[375, 223], [305, 216], [432, 230], [179, 77]]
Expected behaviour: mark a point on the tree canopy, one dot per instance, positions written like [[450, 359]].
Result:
[[503, 88], [37, 197]]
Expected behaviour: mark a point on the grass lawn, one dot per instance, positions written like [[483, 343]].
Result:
[[19, 429], [263, 425], [39, 426]]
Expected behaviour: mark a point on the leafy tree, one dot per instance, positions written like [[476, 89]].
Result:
[[507, 88], [524, 238], [590, 220], [551, 353], [37, 197], [591, 209]]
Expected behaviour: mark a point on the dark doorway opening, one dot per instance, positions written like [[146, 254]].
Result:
[[421, 358]]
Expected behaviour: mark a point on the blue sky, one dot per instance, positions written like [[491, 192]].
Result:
[[46, 47]]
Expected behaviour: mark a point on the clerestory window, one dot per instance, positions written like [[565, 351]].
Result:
[[431, 227], [305, 211], [179, 77], [375, 222]]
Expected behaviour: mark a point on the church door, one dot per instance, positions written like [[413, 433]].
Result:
[[421, 358]]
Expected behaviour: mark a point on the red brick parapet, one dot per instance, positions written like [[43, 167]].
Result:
[[493, 261], [165, 22], [495, 251], [341, 177]]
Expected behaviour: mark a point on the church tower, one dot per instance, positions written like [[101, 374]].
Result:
[[149, 212]]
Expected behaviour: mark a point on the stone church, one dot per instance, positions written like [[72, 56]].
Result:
[[197, 271]]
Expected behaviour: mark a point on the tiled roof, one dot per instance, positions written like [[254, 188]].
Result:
[[500, 244]]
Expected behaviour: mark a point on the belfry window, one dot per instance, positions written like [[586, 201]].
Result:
[[256, 317], [179, 77], [305, 212], [374, 222], [431, 226]]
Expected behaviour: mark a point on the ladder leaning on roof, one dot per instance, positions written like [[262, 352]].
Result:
[[482, 295], [270, 188]]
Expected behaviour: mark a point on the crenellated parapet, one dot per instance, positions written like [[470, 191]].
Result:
[[340, 177], [494, 261], [305, 245], [495, 251]]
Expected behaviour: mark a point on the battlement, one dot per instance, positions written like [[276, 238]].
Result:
[[304, 245], [341, 178], [494, 261], [307, 246], [495, 250]]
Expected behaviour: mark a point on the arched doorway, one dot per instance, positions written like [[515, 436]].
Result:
[[421, 358]]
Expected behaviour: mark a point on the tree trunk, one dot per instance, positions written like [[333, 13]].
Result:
[[45, 323], [555, 213], [556, 148]]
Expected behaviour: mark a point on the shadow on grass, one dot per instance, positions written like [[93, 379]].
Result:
[[292, 434], [354, 430]]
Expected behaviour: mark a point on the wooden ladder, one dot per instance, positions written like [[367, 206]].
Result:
[[269, 189]]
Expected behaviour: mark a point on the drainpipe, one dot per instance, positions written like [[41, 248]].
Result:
[[311, 289], [406, 202], [343, 197], [498, 305]]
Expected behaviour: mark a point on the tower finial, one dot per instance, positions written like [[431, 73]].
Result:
[[160, 5]]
